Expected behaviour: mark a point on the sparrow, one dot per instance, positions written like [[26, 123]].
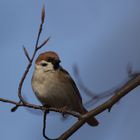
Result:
[[54, 87]]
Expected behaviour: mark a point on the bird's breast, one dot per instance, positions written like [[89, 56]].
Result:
[[54, 92]]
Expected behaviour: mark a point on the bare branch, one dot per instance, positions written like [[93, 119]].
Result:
[[121, 92], [43, 108], [31, 60], [81, 84], [44, 43], [133, 82], [9, 101], [124, 90], [26, 54], [94, 97], [43, 14], [44, 127]]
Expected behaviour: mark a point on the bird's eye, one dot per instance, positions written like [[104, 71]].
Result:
[[44, 64]]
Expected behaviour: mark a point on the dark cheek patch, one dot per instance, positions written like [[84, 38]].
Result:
[[56, 64]]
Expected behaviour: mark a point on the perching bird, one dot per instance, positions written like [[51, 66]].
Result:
[[54, 87]]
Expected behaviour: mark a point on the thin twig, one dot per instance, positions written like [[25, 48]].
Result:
[[44, 43], [44, 127], [43, 108], [26, 54], [32, 58], [94, 97], [36, 48], [81, 84]]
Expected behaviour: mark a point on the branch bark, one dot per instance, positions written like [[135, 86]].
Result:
[[121, 92], [124, 90], [36, 48]]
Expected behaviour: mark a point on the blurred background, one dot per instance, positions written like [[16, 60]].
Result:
[[100, 37]]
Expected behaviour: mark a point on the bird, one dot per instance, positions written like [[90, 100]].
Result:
[[54, 87]]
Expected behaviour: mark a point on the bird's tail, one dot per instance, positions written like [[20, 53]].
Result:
[[92, 121]]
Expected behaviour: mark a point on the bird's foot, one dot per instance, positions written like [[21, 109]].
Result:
[[63, 111]]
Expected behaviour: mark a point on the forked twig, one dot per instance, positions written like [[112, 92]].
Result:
[[36, 48]]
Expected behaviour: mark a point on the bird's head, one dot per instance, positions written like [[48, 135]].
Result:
[[47, 61]]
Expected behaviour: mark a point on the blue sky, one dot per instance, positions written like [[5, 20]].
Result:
[[101, 37]]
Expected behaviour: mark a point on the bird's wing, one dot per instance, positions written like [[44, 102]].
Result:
[[67, 75]]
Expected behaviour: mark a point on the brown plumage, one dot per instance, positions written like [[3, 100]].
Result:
[[46, 56], [54, 87]]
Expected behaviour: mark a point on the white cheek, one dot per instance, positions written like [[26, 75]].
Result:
[[49, 66], [37, 67], [45, 68]]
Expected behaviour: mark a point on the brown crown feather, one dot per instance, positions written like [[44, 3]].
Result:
[[47, 55]]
